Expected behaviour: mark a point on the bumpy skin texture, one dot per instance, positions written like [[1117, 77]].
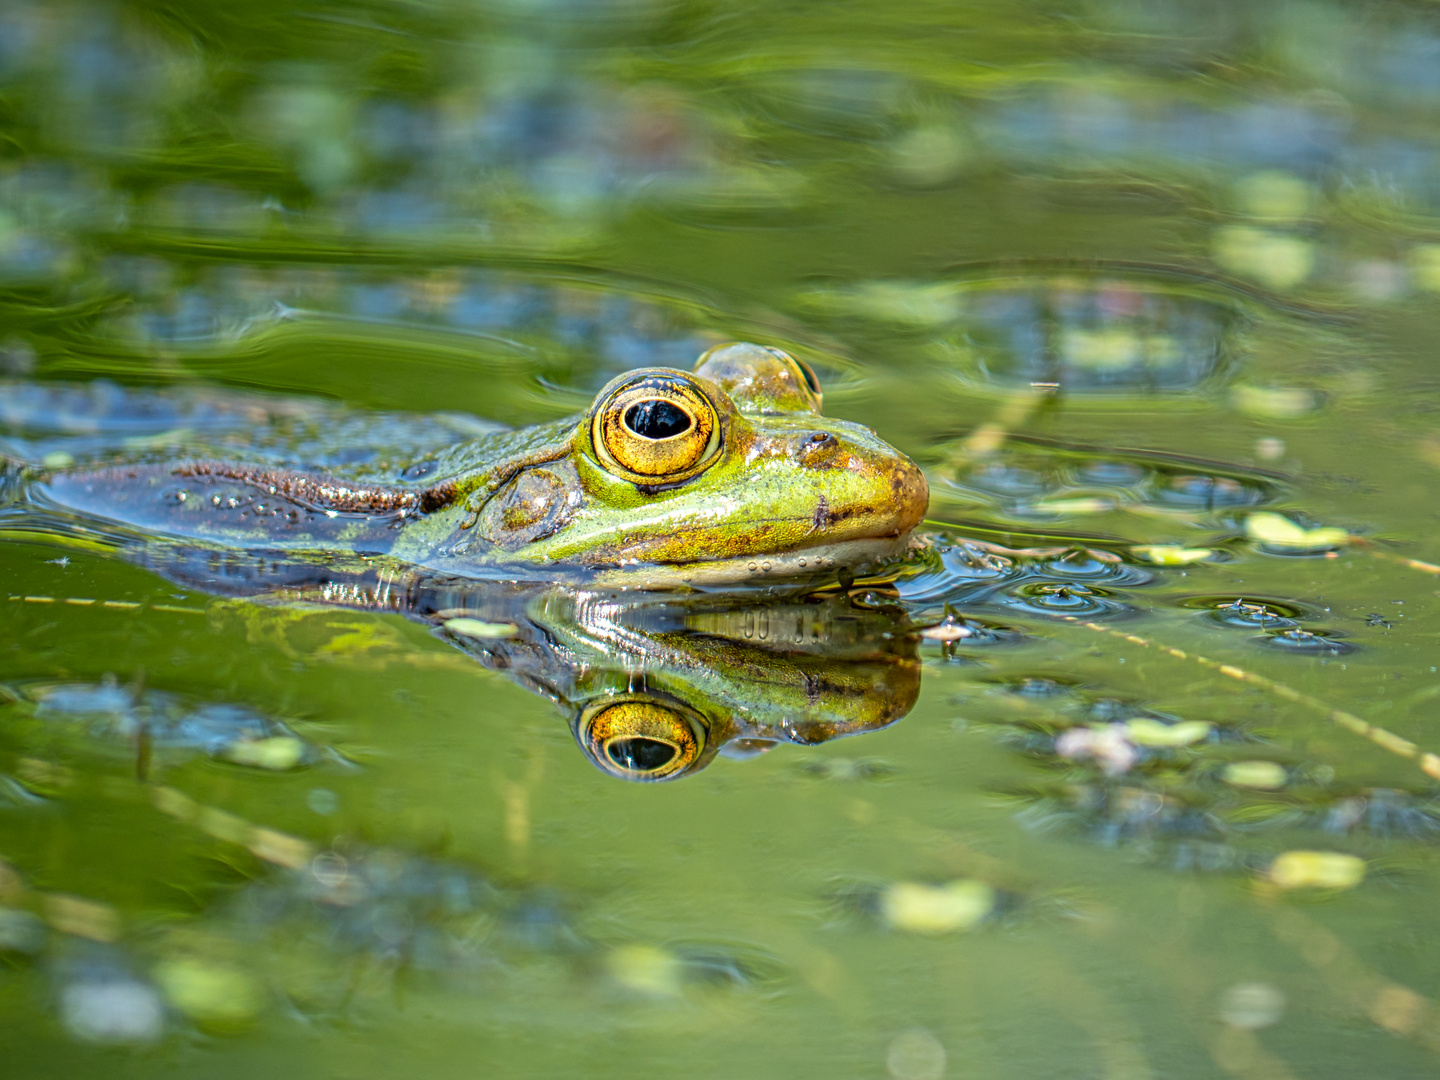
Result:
[[783, 491]]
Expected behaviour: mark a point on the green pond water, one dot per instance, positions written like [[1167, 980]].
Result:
[[1135, 778]]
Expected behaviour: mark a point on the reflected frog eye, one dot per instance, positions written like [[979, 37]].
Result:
[[658, 427], [640, 739]]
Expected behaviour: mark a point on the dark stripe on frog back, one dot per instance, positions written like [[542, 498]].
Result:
[[254, 505], [227, 505], [317, 491]]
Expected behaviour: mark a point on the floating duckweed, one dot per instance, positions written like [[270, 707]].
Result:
[[211, 994], [1275, 195], [936, 909], [1143, 731], [1271, 258], [1278, 531], [1317, 870], [646, 969], [1172, 554], [1262, 775], [57, 459], [1274, 402], [1078, 505], [1425, 264], [479, 629], [277, 753]]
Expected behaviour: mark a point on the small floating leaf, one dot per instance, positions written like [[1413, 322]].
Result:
[[1172, 554], [1276, 530], [1146, 732], [1278, 260], [277, 753], [645, 968], [211, 994], [1275, 402], [479, 629], [936, 909], [1073, 506], [1317, 870], [1262, 775]]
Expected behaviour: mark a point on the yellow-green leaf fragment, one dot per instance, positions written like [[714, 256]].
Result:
[[1317, 870], [646, 969], [277, 753], [1172, 554], [1146, 732], [1261, 775], [918, 908], [1276, 259], [1073, 506], [1275, 402], [210, 993], [478, 629], [1276, 530]]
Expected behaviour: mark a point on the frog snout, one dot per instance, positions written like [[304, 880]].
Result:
[[910, 494]]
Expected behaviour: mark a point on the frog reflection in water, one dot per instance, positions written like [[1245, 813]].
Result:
[[671, 478], [723, 476], [656, 684]]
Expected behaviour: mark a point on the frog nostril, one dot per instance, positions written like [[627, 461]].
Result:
[[816, 445]]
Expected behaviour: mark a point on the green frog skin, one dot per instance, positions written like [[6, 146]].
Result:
[[726, 474]]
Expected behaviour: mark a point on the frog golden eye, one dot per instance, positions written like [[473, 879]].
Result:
[[641, 739], [657, 427]]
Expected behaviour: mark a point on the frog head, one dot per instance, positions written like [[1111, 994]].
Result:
[[726, 473]]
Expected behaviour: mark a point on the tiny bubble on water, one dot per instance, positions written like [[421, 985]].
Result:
[[915, 1055], [1251, 1005]]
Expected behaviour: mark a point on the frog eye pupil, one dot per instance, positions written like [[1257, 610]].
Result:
[[639, 754], [657, 419]]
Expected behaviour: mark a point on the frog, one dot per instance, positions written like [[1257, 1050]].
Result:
[[724, 474]]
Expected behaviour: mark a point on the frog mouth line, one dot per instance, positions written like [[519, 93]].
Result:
[[856, 555]]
